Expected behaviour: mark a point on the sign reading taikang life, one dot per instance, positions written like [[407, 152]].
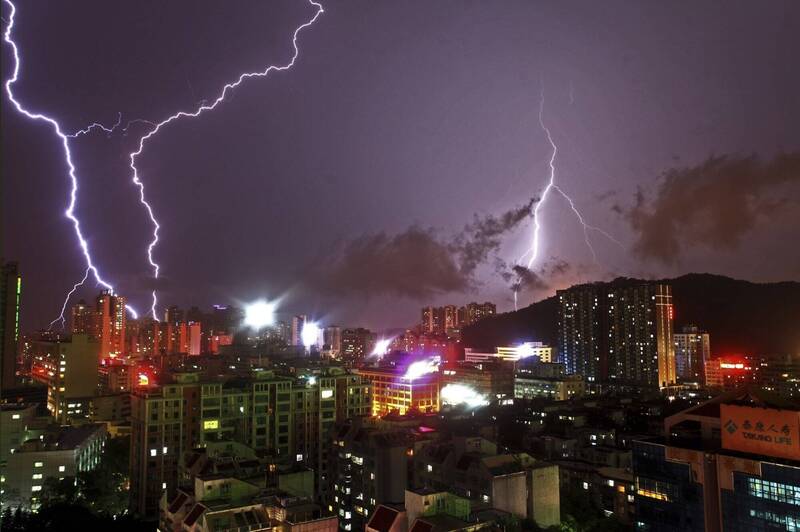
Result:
[[761, 431]]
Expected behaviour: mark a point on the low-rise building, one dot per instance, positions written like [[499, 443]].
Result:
[[60, 452], [557, 388]]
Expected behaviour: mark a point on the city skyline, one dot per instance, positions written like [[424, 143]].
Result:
[[214, 193]]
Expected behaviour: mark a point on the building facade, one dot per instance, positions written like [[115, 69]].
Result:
[[618, 333]]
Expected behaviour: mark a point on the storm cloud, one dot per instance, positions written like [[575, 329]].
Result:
[[713, 204], [416, 263]]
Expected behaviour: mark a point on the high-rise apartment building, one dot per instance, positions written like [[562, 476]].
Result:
[[10, 295], [298, 322], [112, 315], [440, 320], [692, 350], [332, 340], [478, 311], [618, 333], [164, 422]]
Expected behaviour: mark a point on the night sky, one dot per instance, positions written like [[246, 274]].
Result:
[[382, 172]]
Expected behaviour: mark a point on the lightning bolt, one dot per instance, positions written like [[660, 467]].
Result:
[[72, 171], [533, 251], [91, 268], [204, 106]]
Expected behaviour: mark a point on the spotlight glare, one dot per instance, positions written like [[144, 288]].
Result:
[[310, 334], [382, 346], [421, 367], [455, 394], [259, 314]]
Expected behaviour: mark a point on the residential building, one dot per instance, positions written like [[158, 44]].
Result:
[[618, 333], [10, 297], [692, 350], [473, 468], [370, 464]]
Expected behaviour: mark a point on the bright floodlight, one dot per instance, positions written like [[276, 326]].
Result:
[[454, 394], [525, 350], [259, 314], [382, 346], [310, 334], [422, 367]]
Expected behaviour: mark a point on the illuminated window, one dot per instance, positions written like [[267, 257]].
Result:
[[326, 394], [15, 416], [430, 468], [153, 452], [211, 424], [38, 464], [163, 485], [774, 491], [164, 450], [62, 468], [37, 476], [36, 488]]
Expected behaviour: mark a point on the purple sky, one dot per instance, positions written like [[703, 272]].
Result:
[[400, 114]]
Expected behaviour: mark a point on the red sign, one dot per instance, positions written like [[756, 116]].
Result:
[[766, 431]]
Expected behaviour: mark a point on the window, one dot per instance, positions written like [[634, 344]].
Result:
[[164, 450], [38, 464], [163, 485], [774, 491], [15, 416], [37, 476], [153, 452], [62, 468], [430, 468], [36, 488]]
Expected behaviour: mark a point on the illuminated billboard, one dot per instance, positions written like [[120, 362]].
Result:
[[766, 431]]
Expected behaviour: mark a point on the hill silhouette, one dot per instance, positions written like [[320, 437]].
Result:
[[742, 317]]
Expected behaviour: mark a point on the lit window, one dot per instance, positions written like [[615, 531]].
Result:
[[37, 476], [586, 485], [430, 468], [62, 468], [153, 452], [164, 450], [299, 457], [38, 464], [36, 488], [163, 485], [15, 416]]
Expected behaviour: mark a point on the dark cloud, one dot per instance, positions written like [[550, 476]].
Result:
[[525, 279], [713, 204], [416, 263], [483, 236]]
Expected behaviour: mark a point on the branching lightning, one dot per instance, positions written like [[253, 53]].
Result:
[[533, 251], [194, 114], [65, 138], [156, 127]]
